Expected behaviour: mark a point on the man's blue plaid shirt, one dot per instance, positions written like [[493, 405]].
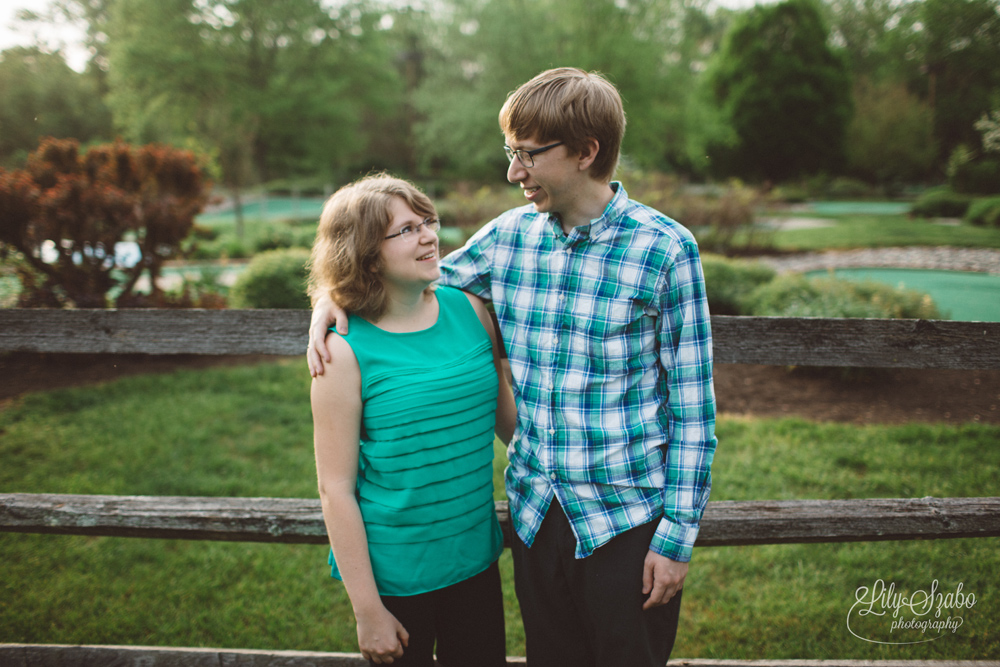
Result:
[[610, 346]]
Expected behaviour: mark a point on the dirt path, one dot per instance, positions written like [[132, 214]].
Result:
[[884, 396], [892, 396]]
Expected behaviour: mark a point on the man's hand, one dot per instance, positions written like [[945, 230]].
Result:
[[662, 579], [381, 637], [324, 315]]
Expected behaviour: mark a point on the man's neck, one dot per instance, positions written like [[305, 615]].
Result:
[[590, 203]]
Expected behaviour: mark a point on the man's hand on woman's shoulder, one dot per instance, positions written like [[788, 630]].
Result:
[[324, 315]]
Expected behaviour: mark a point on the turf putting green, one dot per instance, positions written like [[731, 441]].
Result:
[[959, 295], [860, 207], [273, 208]]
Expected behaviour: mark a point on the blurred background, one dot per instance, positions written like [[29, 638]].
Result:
[[741, 117], [313, 92]]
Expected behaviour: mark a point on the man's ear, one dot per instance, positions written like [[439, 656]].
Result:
[[589, 153]]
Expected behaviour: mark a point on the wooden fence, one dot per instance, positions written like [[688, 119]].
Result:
[[741, 340]]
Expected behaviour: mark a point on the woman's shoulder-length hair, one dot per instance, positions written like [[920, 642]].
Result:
[[346, 256]]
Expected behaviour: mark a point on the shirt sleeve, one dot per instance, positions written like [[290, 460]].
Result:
[[468, 268], [685, 338]]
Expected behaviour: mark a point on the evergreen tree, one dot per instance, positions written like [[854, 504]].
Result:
[[784, 91]]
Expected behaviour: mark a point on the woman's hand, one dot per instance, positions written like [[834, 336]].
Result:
[[324, 315], [380, 636]]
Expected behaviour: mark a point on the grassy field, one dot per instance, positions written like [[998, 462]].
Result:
[[246, 431]]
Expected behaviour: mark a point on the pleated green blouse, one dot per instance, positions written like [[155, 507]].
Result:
[[425, 470]]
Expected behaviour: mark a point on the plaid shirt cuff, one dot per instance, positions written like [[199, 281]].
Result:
[[674, 540]]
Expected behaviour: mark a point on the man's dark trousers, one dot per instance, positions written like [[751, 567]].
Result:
[[588, 611]]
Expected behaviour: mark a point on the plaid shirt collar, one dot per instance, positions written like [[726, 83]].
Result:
[[612, 218]]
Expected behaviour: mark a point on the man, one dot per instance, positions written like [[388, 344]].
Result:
[[601, 304]]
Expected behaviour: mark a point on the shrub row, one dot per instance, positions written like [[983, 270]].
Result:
[[940, 202], [978, 176], [207, 243], [277, 278], [739, 287], [984, 212], [943, 202]]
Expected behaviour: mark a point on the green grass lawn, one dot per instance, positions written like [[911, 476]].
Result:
[[246, 431], [882, 231]]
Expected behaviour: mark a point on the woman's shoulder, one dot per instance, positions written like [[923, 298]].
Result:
[[447, 292], [341, 353], [341, 373], [460, 301], [474, 310]]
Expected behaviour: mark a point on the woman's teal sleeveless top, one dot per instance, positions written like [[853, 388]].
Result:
[[425, 471]]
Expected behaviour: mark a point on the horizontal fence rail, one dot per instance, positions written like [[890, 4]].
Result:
[[781, 341], [39, 655], [295, 520], [872, 343]]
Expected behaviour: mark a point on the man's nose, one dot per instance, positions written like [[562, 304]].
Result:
[[516, 171]]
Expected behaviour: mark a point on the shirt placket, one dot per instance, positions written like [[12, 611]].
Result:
[[557, 309]]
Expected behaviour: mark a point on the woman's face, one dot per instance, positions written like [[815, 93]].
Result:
[[411, 259]]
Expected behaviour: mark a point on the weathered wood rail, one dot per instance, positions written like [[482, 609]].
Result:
[[781, 341], [300, 521], [739, 340], [35, 655]]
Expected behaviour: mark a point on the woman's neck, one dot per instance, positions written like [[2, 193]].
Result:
[[409, 311]]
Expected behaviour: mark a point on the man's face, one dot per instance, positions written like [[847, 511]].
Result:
[[550, 185]]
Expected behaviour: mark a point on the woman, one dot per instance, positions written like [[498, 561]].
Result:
[[403, 434]]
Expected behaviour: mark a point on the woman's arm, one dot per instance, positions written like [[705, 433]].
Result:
[[506, 409], [336, 407]]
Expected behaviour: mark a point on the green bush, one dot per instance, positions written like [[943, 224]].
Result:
[[789, 193], [895, 302], [729, 282], [722, 217], [469, 208], [797, 296], [285, 236], [204, 233], [273, 279], [977, 177], [850, 188], [940, 203], [984, 212]]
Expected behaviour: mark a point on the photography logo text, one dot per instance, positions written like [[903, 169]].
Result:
[[882, 615]]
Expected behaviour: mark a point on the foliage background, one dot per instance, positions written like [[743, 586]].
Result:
[[321, 91]]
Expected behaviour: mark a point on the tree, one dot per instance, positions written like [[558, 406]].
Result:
[[881, 39], [989, 126], [645, 48], [891, 138], [269, 88], [81, 205], [962, 51], [785, 93], [41, 97]]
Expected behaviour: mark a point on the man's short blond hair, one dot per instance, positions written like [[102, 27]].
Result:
[[346, 261], [569, 105]]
